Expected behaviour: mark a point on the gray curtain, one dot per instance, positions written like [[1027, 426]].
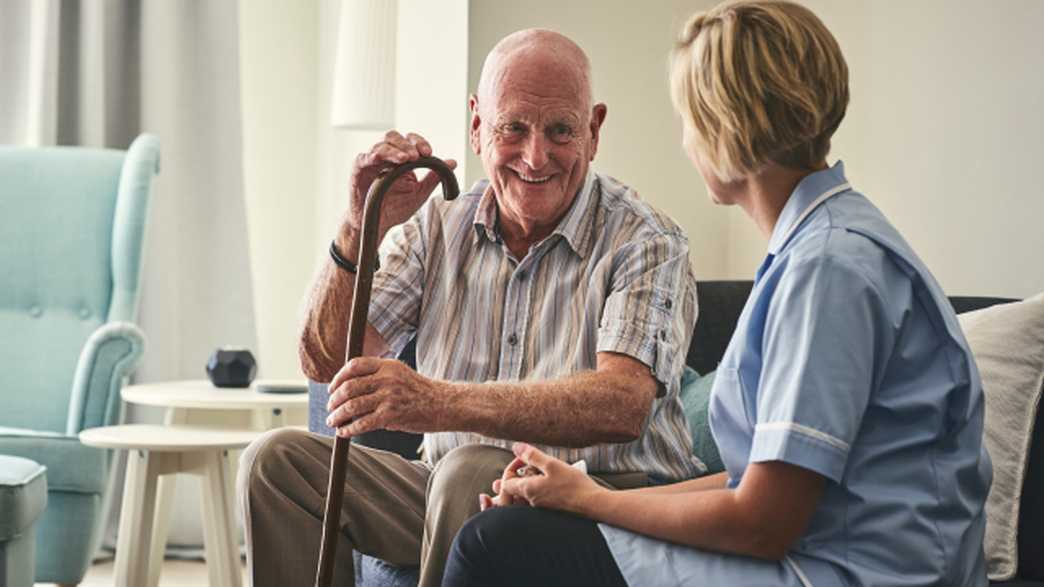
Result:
[[98, 72]]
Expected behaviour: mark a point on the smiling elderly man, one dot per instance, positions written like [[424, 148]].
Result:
[[549, 303]]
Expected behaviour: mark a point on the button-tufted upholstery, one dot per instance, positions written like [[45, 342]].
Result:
[[71, 227]]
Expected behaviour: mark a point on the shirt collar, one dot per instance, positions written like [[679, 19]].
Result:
[[486, 215], [574, 226], [811, 191]]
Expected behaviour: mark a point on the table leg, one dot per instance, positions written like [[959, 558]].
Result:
[[160, 527], [164, 503], [223, 562], [136, 519]]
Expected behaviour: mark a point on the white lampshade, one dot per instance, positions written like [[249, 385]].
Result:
[[364, 72]]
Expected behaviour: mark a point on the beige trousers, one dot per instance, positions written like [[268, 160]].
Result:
[[403, 512]]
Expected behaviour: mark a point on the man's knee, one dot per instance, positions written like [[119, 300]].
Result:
[[467, 471], [267, 457]]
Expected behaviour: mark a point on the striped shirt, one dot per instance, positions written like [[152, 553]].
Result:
[[614, 276]]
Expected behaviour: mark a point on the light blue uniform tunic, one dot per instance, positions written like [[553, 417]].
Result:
[[847, 361]]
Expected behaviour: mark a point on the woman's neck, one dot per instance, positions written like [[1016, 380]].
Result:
[[764, 194]]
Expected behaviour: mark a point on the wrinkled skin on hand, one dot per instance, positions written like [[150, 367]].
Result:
[[407, 194], [370, 394]]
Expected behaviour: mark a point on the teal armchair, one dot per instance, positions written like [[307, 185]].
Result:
[[72, 222]]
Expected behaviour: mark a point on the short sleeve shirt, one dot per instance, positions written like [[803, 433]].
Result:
[[848, 361], [614, 276]]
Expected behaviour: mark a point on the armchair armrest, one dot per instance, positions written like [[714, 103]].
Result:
[[110, 354]]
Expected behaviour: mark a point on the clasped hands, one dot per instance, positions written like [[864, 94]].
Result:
[[537, 479]]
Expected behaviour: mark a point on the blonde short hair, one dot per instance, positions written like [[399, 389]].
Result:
[[758, 81]]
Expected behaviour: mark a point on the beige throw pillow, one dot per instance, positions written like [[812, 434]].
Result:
[[1008, 343]]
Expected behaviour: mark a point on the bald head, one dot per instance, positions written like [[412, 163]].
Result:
[[549, 50]]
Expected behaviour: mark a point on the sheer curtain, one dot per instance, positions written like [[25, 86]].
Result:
[[96, 73]]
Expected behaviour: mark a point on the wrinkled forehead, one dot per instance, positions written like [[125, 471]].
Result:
[[539, 80]]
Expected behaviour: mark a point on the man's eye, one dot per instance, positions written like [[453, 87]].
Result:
[[561, 133], [514, 128]]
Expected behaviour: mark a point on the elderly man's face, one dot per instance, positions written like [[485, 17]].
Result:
[[536, 139]]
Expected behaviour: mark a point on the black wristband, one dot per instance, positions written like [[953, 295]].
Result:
[[345, 263], [341, 261]]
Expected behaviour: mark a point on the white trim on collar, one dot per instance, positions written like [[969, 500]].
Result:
[[811, 207]]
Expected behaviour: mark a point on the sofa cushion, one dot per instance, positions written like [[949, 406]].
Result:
[[71, 466], [23, 495], [373, 572], [1008, 343], [695, 397]]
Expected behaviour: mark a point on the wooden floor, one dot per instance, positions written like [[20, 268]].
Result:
[[176, 573]]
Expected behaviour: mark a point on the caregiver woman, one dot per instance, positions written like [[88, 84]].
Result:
[[847, 409]]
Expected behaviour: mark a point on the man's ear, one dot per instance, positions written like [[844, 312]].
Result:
[[598, 114], [475, 125]]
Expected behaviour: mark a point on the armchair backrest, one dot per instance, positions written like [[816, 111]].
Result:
[[71, 231]]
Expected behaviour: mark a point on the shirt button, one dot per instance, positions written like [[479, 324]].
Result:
[[663, 335], [35, 311], [513, 339], [521, 275], [667, 303]]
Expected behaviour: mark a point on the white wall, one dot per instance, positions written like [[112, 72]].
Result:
[[945, 133], [297, 166], [431, 95], [279, 52], [430, 99]]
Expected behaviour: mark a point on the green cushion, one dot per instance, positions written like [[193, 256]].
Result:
[[695, 398], [71, 466], [23, 495]]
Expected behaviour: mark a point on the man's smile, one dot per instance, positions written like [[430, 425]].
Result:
[[532, 179]]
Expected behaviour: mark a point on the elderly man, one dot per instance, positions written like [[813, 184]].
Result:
[[549, 304]]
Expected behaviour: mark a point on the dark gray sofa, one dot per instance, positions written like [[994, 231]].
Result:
[[720, 304]]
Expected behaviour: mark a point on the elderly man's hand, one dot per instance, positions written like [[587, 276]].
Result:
[[371, 394], [408, 192]]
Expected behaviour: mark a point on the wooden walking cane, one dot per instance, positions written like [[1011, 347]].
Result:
[[356, 330]]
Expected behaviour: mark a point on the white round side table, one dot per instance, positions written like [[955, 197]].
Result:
[[158, 451], [183, 397], [192, 403]]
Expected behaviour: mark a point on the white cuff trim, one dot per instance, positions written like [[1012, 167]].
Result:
[[800, 573], [807, 431]]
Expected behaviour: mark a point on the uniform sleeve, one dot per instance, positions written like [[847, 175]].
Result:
[[398, 286], [824, 331], [650, 311]]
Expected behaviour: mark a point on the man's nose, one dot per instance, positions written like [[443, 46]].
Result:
[[534, 151]]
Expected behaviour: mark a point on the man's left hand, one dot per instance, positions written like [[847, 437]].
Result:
[[371, 394]]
